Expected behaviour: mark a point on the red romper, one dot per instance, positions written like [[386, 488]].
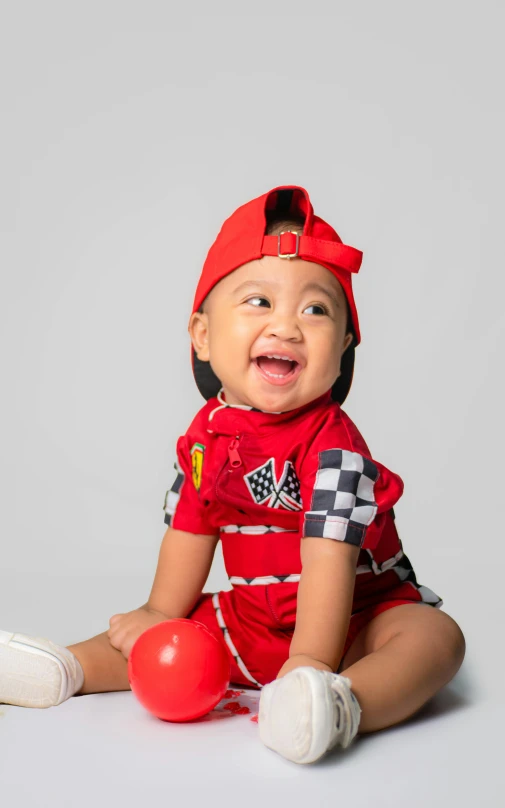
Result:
[[262, 481]]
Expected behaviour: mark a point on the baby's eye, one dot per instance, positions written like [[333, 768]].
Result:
[[257, 297], [322, 309]]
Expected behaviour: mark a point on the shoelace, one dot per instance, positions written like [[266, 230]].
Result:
[[348, 712]]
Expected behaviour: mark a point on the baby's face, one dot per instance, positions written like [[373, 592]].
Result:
[[273, 307]]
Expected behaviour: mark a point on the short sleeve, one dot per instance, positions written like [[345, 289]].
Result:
[[343, 494], [183, 507]]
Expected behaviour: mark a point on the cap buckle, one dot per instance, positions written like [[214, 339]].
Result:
[[288, 255]]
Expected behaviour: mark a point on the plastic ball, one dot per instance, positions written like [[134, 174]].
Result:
[[178, 670]]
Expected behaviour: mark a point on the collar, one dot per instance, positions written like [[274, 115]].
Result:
[[232, 418]]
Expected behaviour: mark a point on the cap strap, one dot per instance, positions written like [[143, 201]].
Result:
[[314, 249]]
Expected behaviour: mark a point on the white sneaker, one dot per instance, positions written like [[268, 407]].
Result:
[[306, 713], [34, 672]]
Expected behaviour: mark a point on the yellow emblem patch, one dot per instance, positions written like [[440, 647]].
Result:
[[197, 451]]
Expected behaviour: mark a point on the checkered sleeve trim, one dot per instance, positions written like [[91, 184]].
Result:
[[343, 502], [173, 495]]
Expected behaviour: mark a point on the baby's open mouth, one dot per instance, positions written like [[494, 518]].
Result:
[[276, 368]]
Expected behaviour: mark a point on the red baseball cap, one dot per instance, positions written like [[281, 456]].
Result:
[[242, 238]]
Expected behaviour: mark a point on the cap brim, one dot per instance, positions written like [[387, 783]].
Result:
[[342, 386], [205, 378]]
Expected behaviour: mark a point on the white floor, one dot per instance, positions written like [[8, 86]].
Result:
[[105, 749]]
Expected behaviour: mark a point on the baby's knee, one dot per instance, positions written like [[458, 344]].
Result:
[[451, 640]]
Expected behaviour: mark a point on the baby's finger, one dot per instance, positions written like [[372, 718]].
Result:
[[126, 647], [115, 634], [116, 639]]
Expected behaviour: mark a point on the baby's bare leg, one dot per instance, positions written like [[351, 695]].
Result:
[[105, 668], [400, 660]]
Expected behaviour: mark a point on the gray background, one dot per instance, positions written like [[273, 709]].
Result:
[[129, 132]]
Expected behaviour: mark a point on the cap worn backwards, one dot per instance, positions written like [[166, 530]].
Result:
[[242, 239]]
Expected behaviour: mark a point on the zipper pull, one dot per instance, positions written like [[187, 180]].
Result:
[[235, 459]]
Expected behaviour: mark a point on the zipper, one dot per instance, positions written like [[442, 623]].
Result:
[[234, 460], [233, 455]]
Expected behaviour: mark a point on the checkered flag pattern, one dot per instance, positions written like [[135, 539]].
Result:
[[291, 486], [265, 489], [261, 482], [343, 503], [172, 496], [264, 580]]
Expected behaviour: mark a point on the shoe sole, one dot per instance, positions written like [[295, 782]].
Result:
[[272, 714], [14, 649]]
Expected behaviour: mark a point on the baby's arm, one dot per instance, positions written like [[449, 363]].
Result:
[[345, 495], [324, 604], [184, 564]]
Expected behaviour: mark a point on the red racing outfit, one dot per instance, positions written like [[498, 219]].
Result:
[[263, 481]]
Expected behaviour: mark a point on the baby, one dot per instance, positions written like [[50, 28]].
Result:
[[325, 614]]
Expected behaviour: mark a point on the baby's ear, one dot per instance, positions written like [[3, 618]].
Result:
[[199, 332], [347, 341]]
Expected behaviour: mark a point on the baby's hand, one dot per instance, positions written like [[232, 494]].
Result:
[[125, 629]]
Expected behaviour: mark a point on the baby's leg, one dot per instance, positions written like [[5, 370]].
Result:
[[396, 663], [399, 660], [105, 668], [36, 672]]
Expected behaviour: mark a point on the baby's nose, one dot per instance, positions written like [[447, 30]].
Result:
[[284, 327]]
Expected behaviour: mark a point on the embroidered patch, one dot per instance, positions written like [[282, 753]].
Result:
[[265, 489], [197, 451]]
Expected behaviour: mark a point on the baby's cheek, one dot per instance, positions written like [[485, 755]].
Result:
[[231, 352]]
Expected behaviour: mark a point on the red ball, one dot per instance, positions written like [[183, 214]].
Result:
[[178, 670]]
